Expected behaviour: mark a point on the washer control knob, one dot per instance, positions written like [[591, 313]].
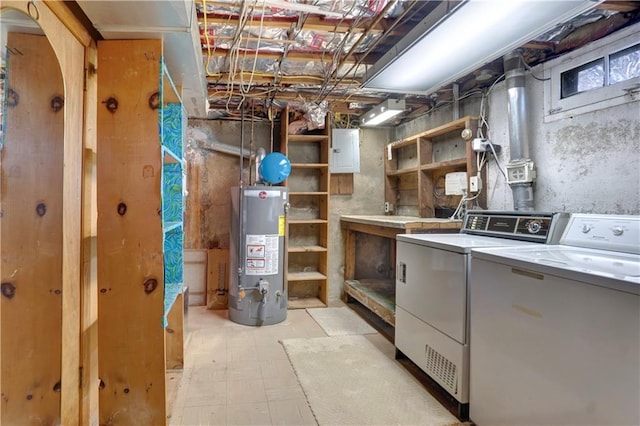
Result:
[[585, 229], [534, 227], [617, 231]]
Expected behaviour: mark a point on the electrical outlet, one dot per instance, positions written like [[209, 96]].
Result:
[[388, 207], [484, 145], [475, 183], [480, 145]]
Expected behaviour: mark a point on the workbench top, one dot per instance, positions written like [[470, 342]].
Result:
[[399, 221]]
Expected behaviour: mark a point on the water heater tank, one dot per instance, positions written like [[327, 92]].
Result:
[[257, 291]]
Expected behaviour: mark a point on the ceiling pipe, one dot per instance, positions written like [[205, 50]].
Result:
[[520, 170]]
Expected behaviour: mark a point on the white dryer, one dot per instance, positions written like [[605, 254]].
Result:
[[432, 303], [555, 330]]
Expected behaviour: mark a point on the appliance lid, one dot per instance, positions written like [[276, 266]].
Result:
[[619, 271]]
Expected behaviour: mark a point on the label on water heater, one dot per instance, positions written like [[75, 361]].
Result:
[[261, 255], [281, 226]]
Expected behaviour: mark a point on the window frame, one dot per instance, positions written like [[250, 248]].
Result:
[[556, 107]]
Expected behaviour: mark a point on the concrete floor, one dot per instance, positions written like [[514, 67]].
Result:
[[240, 375]]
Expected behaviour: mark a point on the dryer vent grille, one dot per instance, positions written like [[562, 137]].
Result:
[[441, 369]]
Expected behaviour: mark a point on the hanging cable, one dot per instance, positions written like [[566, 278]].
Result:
[[530, 69], [251, 145], [257, 49], [337, 54], [388, 31]]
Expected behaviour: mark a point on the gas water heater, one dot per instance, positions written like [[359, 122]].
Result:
[[257, 294], [257, 291]]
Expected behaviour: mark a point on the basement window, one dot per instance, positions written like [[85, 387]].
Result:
[[585, 77], [600, 75]]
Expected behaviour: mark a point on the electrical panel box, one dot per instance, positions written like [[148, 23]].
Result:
[[345, 151]]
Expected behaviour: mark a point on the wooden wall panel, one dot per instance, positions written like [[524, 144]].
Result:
[[130, 261], [341, 183], [175, 335], [69, 52], [32, 235], [210, 175]]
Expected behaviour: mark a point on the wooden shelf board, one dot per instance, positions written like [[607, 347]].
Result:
[[306, 276], [458, 162], [446, 128], [309, 165], [170, 92], [307, 138], [379, 296], [436, 131], [169, 157], [169, 226], [402, 171], [306, 221], [306, 249], [403, 143], [305, 302]]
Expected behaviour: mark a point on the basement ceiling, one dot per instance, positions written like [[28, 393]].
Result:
[[232, 55], [271, 52]]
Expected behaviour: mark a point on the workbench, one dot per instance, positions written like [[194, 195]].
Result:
[[378, 295]]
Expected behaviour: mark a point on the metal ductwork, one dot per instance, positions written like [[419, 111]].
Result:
[[520, 170]]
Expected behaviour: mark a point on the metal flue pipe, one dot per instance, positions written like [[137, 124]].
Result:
[[520, 168]]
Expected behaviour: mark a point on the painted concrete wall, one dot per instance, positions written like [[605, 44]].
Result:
[[589, 163], [211, 173], [367, 198], [586, 164]]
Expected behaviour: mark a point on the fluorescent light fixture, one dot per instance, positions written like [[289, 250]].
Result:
[[453, 42], [382, 112]]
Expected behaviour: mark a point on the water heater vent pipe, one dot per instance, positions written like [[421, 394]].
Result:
[[520, 170]]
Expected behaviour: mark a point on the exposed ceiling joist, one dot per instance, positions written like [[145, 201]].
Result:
[[245, 77], [319, 56], [311, 23], [287, 55], [619, 6], [265, 92]]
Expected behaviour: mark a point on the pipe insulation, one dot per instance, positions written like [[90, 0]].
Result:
[[519, 180]]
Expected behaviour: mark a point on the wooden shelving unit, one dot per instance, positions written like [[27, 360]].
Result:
[[307, 239], [173, 131], [415, 168], [140, 169]]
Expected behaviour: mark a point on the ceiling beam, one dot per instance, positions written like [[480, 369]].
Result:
[[312, 23], [263, 93], [244, 77], [619, 6], [315, 56]]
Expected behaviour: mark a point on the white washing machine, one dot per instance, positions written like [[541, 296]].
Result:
[[555, 330], [432, 309]]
